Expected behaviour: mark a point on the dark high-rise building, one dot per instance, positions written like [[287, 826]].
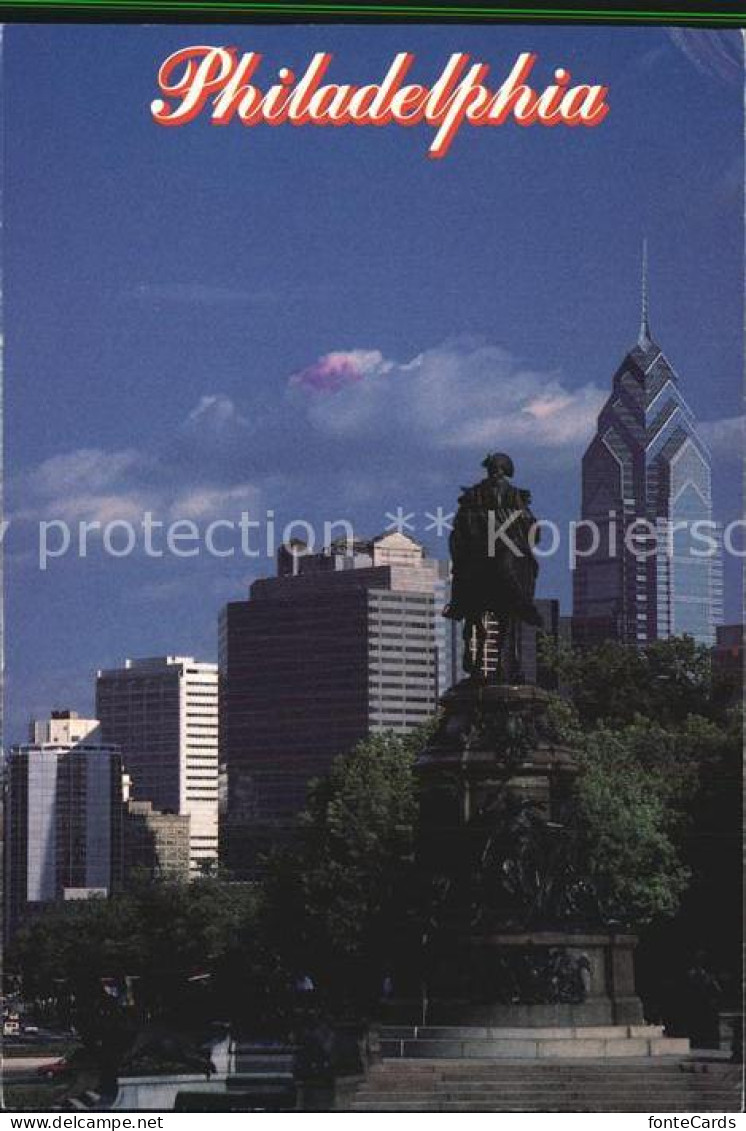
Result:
[[558, 629], [647, 482], [727, 661], [340, 645]]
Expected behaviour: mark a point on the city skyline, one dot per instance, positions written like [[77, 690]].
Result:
[[203, 338]]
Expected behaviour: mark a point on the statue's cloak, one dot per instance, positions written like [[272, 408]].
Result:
[[492, 573]]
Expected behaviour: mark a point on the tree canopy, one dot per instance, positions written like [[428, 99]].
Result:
[[339, 901], [148, 942], [668, 680]]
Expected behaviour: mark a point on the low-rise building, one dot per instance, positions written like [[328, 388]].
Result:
[[155, 844]]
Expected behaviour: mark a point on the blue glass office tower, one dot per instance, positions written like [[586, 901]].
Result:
[[647, 481]]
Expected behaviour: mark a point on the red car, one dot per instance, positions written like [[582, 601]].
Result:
[[55, 1069]]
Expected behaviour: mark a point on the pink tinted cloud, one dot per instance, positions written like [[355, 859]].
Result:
[[333, 371]]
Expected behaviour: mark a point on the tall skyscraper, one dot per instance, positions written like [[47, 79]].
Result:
[[647, 482], [63, 815], [163, 713], [340, 645]]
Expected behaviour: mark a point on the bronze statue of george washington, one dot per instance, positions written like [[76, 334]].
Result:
[[494, 568]]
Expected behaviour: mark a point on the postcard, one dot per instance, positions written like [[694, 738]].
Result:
[[373, 546]]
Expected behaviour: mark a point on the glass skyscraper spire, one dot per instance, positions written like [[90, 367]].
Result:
[[656, 571]]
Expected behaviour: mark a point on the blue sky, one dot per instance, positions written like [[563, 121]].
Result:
[[169, 293]]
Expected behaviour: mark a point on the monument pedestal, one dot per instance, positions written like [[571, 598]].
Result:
[[517, 960], [512, 981]]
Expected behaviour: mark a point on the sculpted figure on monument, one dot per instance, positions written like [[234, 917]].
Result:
[[494, 568], [528, 874]]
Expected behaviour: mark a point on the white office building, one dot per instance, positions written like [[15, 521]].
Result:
[[163, 713]]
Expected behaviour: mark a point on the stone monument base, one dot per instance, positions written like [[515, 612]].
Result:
[[527, 979], [518, 939]]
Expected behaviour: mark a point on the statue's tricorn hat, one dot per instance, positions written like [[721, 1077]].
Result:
[[501, 461]]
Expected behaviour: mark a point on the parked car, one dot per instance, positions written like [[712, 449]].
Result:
[[55, 1069]]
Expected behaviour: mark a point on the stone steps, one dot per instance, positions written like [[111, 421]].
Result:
[[514, 1087], [483, 1032], [576, 1108], [513, 1070], [648, 1086], [492, 1043], [569, 1084], [498, 1049]]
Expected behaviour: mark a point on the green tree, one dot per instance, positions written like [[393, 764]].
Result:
[[659, 793], [341, 901], [627, 826], [639, 795], [612, 683], [161, 937]]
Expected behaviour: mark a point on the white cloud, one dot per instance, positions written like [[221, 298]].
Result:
[[93, 485], [207, 503], [330, 373], [122, 507], [89, 469], [459, 395], [215, 413], [349, 413], [552, 418]]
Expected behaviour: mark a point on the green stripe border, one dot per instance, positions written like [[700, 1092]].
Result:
[[393, 11]]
